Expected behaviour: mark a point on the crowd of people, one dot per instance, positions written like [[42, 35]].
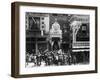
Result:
[[48, 58]]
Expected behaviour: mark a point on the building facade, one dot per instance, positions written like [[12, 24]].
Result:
[[62, 35]]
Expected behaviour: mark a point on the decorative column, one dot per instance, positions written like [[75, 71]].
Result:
[[36, 45], [75, 25], [27, 22]]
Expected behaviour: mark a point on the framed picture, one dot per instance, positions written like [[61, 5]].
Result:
[[53, 39]]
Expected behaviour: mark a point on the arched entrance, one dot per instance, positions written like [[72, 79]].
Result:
[[56, 45], [55, 36]]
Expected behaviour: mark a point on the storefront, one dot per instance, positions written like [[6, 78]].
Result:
[[80, 44]]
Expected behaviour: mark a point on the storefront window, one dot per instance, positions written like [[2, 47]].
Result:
[[83, 33]]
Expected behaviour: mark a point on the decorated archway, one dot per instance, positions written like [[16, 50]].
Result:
[[55, 36]]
